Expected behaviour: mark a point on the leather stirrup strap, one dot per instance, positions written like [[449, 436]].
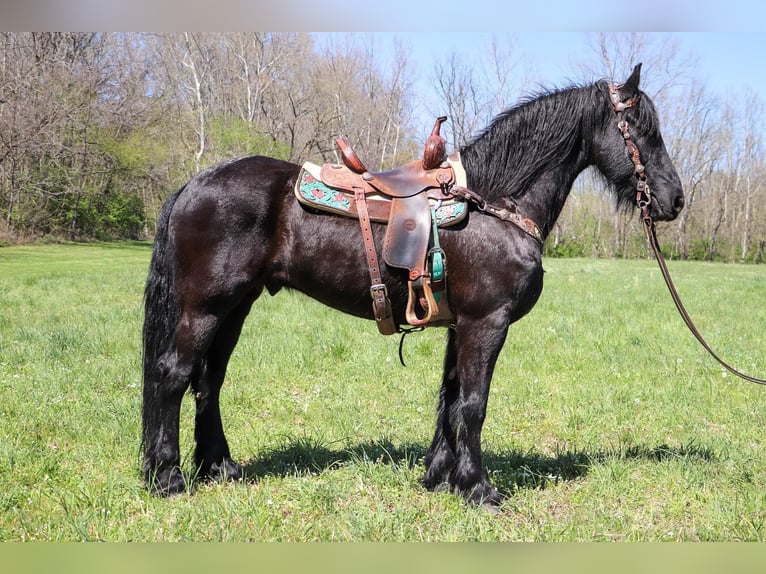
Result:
[[381, 305]]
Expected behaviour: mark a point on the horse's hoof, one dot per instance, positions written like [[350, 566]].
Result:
[[226, 470], [434, 483], [484, 494], [166, 482], [442, 486]]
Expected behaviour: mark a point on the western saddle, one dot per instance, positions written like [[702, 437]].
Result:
[[414, 201]]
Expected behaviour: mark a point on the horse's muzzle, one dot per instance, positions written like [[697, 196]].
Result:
[[666, 210]]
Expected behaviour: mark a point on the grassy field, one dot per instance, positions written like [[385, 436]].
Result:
[[606, 420]]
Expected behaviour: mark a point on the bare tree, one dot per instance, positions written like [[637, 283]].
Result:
[[351, 94], [472, 93], [197, 58], [50, 83], [461, 93], [752, 184], [503, 77], [665, 66], [695, 143]]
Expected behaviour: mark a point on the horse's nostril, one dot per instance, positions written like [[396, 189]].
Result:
[[678, 203]]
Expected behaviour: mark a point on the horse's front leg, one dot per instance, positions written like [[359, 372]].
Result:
[[454, 459], [441, 455]]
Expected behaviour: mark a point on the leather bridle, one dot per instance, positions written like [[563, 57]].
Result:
[[643, 201], [643, 193]]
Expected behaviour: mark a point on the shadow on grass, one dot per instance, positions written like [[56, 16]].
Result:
[[514, 470], [508, 470], [311, 455]]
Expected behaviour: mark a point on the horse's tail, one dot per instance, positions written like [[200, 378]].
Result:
[[161, 313]]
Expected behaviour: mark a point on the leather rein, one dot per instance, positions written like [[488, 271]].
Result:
[[643, 201]]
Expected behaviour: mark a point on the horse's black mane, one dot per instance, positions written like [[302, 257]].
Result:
[[548, 126], [520, 142]]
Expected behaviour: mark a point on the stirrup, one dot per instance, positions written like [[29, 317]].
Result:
[[431, 309]]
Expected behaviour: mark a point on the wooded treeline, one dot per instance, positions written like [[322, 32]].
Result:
[[97, 129]]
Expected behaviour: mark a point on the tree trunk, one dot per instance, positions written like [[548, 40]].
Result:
[[75, 212], [746, 225]]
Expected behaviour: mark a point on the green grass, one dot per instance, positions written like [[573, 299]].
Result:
[[606, 420]]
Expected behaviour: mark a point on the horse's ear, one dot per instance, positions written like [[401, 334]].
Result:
[[630, 87]]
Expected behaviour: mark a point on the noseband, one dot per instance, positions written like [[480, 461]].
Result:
[[643, 201]]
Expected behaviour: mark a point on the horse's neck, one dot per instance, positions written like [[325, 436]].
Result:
[[537, 178], [544, 200]]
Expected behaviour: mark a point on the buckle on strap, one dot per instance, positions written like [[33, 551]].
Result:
[[377, 288]]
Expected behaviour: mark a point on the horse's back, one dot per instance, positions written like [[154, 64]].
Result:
[[235, 195]]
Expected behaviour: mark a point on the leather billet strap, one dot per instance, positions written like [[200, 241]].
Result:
[[381, 305]]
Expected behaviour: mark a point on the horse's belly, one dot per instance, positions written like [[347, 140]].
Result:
[[323, 256]]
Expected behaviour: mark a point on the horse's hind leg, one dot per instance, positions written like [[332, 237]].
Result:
[[211, 454], [164, 387]]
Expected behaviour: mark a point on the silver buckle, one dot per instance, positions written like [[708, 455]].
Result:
[[378, 287]]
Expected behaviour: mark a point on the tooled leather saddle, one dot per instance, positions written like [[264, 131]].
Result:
[[413, 202]]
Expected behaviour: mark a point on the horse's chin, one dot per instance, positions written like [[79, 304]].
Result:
[[663, 216], [660, 212]]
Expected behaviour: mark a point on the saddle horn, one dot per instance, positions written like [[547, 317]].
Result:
[[436, 147]]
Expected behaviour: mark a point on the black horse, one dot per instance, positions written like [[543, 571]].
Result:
[[237, 228]]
